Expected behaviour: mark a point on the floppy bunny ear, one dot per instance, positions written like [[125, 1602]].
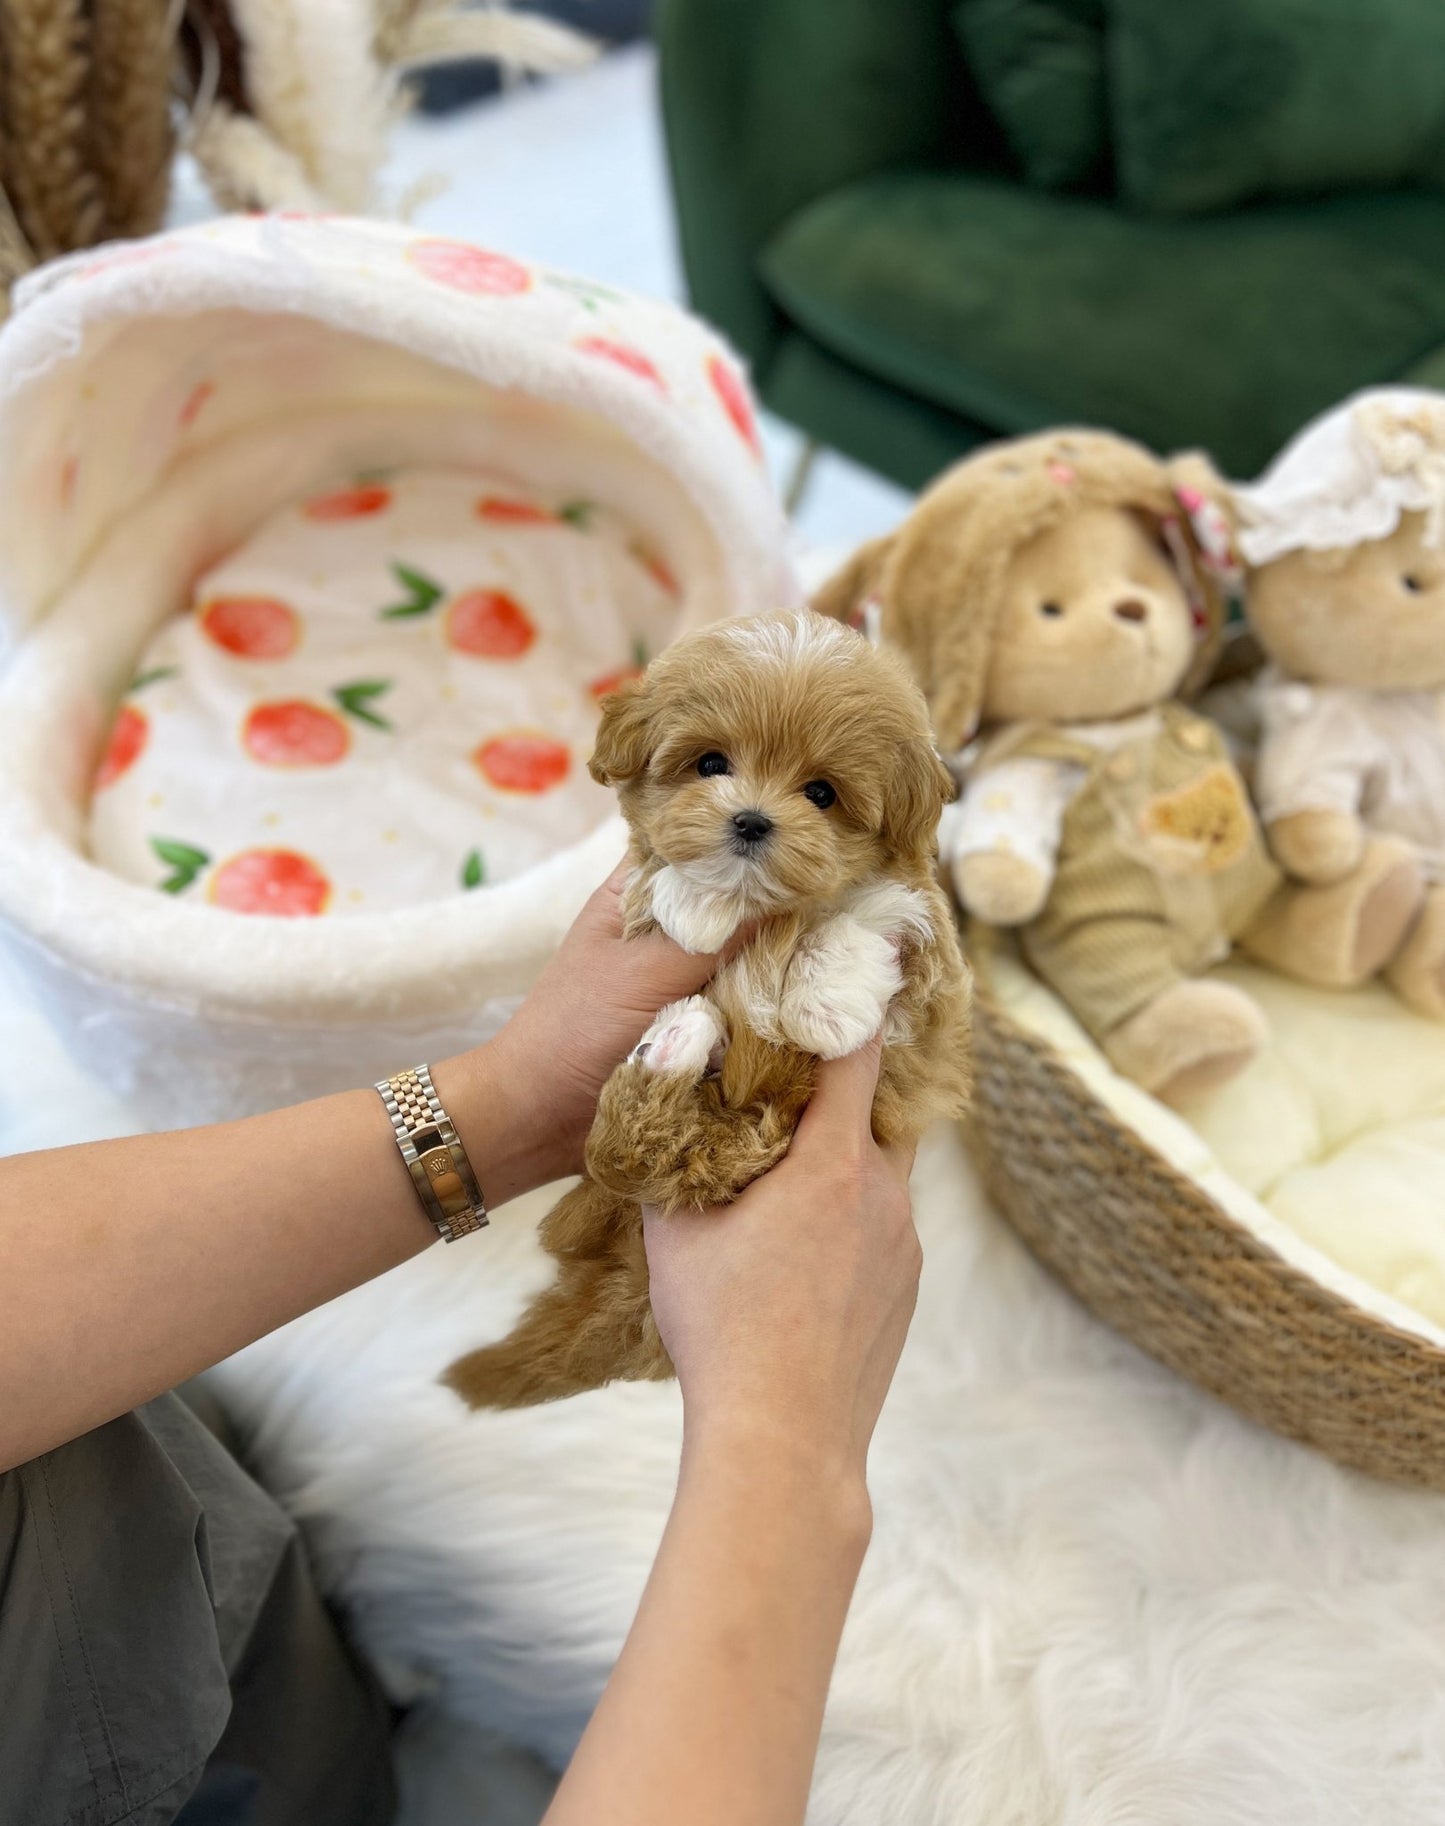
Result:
[[920, 788], [624, 736], [1203, 542], [956, 674], [842, 597]]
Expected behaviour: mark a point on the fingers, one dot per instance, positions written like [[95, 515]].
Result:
[[660, 968], [842, 1100], [900, 1157]]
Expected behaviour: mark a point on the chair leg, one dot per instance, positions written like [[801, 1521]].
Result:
[[802, 474]]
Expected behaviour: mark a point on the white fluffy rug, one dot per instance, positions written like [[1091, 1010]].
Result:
[[1093, 1596]]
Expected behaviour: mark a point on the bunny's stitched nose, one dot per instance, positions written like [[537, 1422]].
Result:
[[752, 826]]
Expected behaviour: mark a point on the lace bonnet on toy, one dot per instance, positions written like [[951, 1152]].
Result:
[[936, 588], [1349, 475]]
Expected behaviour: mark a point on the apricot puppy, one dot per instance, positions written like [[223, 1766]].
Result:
[[777, 771]]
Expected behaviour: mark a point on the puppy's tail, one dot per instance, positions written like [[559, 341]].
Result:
[[581, 1333]]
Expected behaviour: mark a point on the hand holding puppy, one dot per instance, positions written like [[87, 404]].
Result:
[[806, 1282], [780, 782], [586, 1012]]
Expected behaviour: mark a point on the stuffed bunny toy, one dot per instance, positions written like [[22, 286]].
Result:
[[1057, 596], [1345, 540]]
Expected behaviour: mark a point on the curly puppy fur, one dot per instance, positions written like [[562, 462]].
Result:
[[793, 720]]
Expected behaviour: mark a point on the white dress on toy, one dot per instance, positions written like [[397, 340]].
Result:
[[1378, 755]]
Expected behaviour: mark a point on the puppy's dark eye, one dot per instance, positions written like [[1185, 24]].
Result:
[[820, 793], [712, 763], [1413, 584], [1051, 609]]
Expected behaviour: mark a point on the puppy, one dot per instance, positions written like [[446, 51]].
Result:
[[780, 772]]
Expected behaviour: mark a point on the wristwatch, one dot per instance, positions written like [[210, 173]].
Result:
[[434, 1155]]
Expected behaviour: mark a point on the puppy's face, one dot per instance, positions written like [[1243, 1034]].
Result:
[[770, 763]]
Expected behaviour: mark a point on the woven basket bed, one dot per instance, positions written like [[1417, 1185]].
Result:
[[1151, 1252]]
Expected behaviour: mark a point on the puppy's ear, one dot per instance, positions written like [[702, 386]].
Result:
[[920, 788], [624, 736]]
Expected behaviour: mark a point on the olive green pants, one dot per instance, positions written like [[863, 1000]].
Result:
[[164, 1656]]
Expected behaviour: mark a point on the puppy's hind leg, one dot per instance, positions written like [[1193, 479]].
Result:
[[663, 1134]]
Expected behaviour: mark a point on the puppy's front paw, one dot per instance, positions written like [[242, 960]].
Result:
[[687, 1038], [838, 988]]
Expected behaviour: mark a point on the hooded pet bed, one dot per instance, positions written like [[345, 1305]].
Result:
[[161, 406]]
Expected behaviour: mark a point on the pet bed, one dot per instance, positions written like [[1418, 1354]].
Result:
[[1283, 1246], [386, 695], [160, 403]]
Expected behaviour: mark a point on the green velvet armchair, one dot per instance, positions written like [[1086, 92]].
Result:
[[1196, 225]]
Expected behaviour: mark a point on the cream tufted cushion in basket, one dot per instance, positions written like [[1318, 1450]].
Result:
[[1284, 1246]]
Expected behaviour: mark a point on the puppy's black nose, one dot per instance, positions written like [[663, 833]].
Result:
[[752, 827]]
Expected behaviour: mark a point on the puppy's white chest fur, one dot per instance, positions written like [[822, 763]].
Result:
[[832, 994], [693, 914]]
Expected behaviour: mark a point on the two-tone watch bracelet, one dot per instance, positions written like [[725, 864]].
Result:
[[434, 1155]]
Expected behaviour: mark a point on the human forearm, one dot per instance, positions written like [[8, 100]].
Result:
[[784, 1313], [713, 1711], [126, 1266]]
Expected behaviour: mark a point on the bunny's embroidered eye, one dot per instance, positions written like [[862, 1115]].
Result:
[[712, 763], [821, 794], [1051, 609], [1413, 584]]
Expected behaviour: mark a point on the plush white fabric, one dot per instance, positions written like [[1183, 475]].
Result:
[[157, 401], [1094, 1596], [385, 696], [1330, 1147]]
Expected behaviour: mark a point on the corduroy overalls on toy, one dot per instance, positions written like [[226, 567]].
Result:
[[1161, 865]]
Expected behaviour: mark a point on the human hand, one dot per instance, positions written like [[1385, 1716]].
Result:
[[785, 1312], [585, 1013]]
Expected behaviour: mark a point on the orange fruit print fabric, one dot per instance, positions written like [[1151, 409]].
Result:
[[387, 694]]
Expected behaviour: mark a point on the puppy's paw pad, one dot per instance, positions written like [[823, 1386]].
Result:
[[686, 1038]]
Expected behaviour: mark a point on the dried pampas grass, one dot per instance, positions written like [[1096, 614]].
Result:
[[131, 57], [54, 193]]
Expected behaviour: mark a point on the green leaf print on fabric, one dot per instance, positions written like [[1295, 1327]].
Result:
[[355, 700], [474, 871], [153, 677], [423, 593], [639, 652], [588, 295], [577, 513], [184, 861]]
